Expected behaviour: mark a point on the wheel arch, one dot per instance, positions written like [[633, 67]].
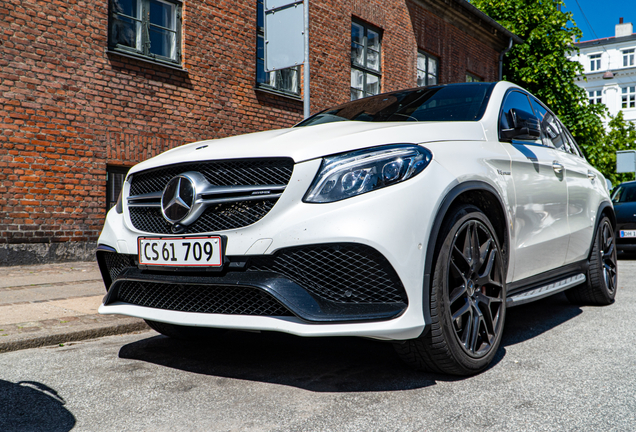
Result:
[[479, 194], [605, 209]]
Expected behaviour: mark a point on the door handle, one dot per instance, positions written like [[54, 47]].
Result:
[[591, 175], [557, 167]]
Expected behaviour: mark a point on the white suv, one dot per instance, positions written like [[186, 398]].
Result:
[[416, 216]]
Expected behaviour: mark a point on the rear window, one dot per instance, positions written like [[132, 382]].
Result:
[[457, 102], [624, 194]]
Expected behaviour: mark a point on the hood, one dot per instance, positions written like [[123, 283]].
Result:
[[311, 142]]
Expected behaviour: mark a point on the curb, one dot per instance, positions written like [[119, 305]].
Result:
[[63, 335]]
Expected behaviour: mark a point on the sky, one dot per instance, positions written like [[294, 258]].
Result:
[[602, 15]]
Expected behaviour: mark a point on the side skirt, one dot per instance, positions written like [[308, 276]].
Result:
[[546, 284]]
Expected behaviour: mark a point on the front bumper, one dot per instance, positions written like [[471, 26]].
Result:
[[625, 244], [394, 221], [318, 284]]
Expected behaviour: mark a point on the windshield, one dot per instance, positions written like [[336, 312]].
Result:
[[454, 102], [625, 194]]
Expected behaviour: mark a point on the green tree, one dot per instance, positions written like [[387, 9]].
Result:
[[541, 66], [620, 136]]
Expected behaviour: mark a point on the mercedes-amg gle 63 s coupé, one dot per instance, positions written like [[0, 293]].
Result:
[[415, 216]]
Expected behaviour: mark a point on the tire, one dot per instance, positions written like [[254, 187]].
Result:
[[602, 274], [184, 332], [467, 301]]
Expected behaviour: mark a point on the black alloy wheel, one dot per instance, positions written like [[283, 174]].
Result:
[[467, 298], [475, 287], [602, 274], [608, 257]]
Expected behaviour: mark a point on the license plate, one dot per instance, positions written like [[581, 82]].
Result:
[[630, 233], [181, 251]]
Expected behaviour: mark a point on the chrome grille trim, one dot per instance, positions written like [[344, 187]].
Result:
[[243, 191]]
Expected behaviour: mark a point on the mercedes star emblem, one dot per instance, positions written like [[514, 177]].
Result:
[[177, 199]]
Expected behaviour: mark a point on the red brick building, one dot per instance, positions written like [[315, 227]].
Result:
[[89, 88]]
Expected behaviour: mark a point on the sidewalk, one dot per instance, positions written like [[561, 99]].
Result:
[[52, 304]]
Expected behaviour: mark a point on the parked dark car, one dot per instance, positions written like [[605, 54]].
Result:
[[624, 199]]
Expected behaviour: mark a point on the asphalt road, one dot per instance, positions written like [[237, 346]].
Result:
[[560, 367]]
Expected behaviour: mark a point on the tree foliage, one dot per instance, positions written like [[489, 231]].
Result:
[[620, 136], [541, 66]]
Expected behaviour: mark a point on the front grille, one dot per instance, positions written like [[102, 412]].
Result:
[[230, 300], [216, 218], [252, 172], [225, 216], [343, 273]]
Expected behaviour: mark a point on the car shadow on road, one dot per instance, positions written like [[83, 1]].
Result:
[[334, 364], [32, 406], [530, 320]]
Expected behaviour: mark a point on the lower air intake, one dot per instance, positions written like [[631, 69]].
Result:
[[230, 300]]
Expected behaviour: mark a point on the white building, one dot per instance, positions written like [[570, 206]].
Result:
[[610, 69]]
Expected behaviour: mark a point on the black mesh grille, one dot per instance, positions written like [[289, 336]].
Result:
[[218, 173], [231, 300], [116, 263], [345, 273], [216, 218]]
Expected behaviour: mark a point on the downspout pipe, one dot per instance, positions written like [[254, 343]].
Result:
[[501, 56]]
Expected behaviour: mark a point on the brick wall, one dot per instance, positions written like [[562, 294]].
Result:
[[68, 108]]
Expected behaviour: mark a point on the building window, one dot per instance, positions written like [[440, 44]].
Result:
[[365, 61], [629, 97], [595, 62], [628, 57], [115, 177], [284, 80], [594, 96], [472, 78], [426, 69], [148, 28]]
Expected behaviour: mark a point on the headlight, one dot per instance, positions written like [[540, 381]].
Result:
[[350, 174]]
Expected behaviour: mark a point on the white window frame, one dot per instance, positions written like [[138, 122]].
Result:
[[473, 78], [364, 69], [595, 96], [628, 97], [132, 34], [595, 62], [628, 57], [427, 77], [285, 81]]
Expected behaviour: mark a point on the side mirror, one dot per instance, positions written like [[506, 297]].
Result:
[[523, 125], [609, 185]]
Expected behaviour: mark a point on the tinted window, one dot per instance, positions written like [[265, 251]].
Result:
[[460, 102], [515, 100], [574, 148], [625, 194], [539, 110], [553, 133], [552, 129]]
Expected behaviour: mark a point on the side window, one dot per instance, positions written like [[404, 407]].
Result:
[[616, 197], [550, 126], [553, 134], [573, 147], [515, 100]]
